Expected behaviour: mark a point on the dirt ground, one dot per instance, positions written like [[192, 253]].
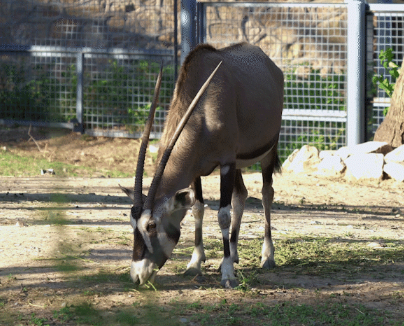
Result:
[[47, 223]]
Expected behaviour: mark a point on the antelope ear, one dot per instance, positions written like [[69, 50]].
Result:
[[184, 198], [131, 194]]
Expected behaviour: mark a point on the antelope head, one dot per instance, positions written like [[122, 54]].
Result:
[[156, 223]]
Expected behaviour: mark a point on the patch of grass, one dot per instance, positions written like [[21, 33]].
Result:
[[321, 256], [213, 248], [246, 280], [287, 313], [63, 315], [127, 318], [37, 321], [83, 312], [21, 166], [102, 276]]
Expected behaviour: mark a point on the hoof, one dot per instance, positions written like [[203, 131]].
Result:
[[192, 271], [268, 264], [229, 283]]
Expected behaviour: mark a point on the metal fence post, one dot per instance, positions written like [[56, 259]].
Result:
[[79, 93], [356, 72], [188, 27]]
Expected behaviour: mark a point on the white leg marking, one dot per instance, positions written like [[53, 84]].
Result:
[[224, 169], [198, 255], [227, 269], [224, 218], [268, 252], [227, 263], [233, 251]]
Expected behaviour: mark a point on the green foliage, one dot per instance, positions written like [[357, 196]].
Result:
[[117, 96], [315, 92], [124, 93], [38, 98], [386, 59], [38, 321]]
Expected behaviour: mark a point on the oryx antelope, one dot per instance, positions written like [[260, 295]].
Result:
[[231, 122]]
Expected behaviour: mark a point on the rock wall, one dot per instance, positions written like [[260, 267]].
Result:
[[92, 23], [293, 33]]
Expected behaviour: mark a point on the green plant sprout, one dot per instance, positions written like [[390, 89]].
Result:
[[386, 59]]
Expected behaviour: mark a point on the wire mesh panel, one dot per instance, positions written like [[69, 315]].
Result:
[[37, 86], [118, 92], [385, 29], [308, 42], [120, 45]]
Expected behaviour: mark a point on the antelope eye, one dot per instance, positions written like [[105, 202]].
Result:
[[151, 225]]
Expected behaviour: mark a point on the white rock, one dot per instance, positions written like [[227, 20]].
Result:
[[305, 160], [154, 148], [372, 147], [396, 155], [395, 170], [364, 166], [364, 148], [343, 152], [289, 160], [326, 153], [331, 165]]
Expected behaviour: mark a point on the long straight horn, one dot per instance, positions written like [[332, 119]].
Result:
[[159, 173], [143, 147]]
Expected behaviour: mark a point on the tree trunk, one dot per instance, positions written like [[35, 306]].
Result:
[[392, 128]]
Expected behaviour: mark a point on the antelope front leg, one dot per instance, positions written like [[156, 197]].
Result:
[[198, 256], [227, 178]]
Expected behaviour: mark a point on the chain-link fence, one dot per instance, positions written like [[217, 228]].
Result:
[[94, 63]]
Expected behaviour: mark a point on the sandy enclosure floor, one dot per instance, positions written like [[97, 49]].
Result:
[[45, 221]]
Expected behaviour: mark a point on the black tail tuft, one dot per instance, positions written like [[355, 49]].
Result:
[[278, 164]]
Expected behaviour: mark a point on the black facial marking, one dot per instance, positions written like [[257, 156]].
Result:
[[172, 232], [138, 246]]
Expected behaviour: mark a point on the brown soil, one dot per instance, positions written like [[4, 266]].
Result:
[[94, 232]]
